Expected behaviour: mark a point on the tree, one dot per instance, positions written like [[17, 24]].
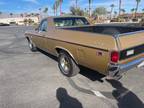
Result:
[[137, 5], [99, 11], [133, 10], [76, 11], [123, 11], [30, 21], [115, 14], [76, 2], [45, 10], [143, 13], [143, 10], [25, 21], [40, 11], [120, 3], [112, 7], [21, 15], [90, 2], [59, 3], [11, 14], [55, 7]]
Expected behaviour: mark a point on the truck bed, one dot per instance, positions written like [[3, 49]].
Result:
[[106, 29], [130, 38]]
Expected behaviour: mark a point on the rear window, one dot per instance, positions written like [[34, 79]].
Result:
[[63, 22]]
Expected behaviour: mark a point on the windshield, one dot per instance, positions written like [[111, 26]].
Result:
[[62, 22]]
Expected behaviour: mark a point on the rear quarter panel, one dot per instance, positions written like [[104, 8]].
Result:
[[85, 47]]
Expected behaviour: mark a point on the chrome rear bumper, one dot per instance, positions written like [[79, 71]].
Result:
[[117, 69]]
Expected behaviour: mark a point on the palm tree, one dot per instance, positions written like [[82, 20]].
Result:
[[45, 10], [0, 12], [115, 13], [137, 5], [123, 11], [132, 10], [90, 2], [40, 13], [112, 7], [11, 14], [143, 10], [60, 5], [120, 3], [55, 7], [76, 2], [21, 15]]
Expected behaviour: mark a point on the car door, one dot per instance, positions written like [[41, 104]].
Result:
[[41, 33]]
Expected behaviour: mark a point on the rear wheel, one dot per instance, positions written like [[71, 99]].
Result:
[[67, 65]]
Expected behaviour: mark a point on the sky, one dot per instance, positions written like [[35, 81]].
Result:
[[29, 6]]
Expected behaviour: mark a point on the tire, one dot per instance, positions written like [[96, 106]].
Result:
[[67, 65], [32, 47]]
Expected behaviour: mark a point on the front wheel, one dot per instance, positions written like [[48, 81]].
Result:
[[67, 65], [32, 46]]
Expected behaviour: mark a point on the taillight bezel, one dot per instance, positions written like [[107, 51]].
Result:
[[118, 57]]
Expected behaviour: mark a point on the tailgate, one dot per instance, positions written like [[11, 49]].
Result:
[[131, 44]]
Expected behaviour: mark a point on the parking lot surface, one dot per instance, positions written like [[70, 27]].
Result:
[[33, 80]]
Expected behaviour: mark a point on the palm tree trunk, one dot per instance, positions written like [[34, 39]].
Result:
[[120, 3], [76, 3], [136, 9], [111, 13], [60, 7], [89, 9], [54, 12]]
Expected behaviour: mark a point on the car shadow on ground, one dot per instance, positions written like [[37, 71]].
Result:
[[91, 74], [47, 54], [65, 100], [125, 98], [88, 73]]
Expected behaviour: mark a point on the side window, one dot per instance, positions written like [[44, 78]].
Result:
[[43, 26]]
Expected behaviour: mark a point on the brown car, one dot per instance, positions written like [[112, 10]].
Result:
[[108, 49]]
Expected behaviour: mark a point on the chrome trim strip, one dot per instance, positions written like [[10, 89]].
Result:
[[131, 64], [129, 33]]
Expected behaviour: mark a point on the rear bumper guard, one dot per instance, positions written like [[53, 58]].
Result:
[[117, 69]]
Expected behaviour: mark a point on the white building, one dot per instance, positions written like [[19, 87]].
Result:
[[18, 20]]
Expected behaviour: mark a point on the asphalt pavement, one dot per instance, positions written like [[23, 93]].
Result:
[[33, 80]]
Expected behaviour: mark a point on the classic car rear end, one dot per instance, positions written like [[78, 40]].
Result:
[[130, 54], [110, 50]]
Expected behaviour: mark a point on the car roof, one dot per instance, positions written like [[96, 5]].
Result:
[[66, 17]]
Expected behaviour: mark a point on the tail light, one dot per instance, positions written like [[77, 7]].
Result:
[[114, 56]]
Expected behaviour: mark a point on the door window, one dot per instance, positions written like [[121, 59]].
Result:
[[43, 26]]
